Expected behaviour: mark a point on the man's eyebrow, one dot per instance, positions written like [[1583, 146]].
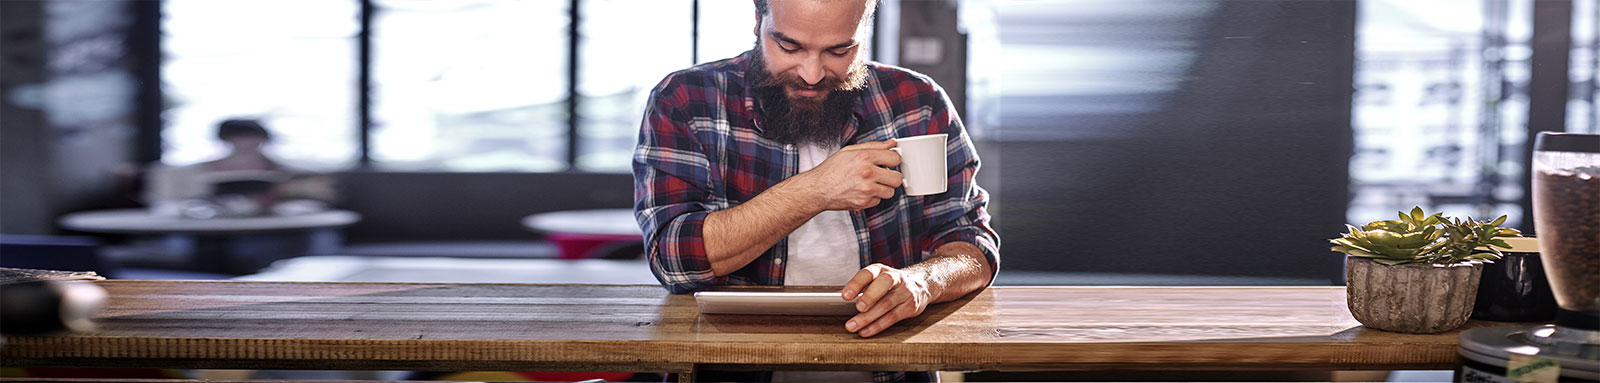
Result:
[[791, 41]]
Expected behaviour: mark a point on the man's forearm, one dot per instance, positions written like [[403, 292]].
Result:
[[955, 270], [736, 236]]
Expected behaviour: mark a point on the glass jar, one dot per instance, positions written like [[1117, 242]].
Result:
[[1566, 215]]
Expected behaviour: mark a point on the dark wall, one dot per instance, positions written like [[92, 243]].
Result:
[[470, 206], [24, 204], [68, 104], [1244, 171]]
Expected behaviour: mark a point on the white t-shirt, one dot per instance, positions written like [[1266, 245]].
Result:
[[823, 251]]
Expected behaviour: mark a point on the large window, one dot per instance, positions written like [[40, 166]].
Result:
[[1440, 113], [469, 85], [290, 63], [625, 48], [475, 85], [727, 28]]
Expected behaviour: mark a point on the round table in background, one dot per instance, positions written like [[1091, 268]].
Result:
[[580, 234], [229, 245], [141, 221]]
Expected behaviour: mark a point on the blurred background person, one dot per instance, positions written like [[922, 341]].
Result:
[[245, 181]]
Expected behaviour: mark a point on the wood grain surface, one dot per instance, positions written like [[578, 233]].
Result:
[[642, 328]]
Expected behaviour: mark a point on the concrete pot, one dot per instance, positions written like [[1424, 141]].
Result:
[[1410, 298]]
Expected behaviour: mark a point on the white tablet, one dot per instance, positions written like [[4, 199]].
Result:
[[773, 303]]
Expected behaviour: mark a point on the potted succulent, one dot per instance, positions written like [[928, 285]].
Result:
[[1418, 274]]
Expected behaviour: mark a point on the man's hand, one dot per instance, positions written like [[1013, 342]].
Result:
[[887, 296], [856, 177]]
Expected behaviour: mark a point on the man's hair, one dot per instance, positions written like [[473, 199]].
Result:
[[764, 9], [241, 128]]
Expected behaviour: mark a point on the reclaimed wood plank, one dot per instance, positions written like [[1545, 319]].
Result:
[[507, 326]]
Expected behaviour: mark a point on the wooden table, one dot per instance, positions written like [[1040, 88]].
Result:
[[282, 325]]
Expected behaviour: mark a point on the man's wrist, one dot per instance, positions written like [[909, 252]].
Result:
[[790, 194]]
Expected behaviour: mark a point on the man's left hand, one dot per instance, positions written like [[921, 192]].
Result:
[[887, 296]]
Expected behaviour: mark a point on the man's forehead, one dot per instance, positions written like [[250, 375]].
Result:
[[817, 22]]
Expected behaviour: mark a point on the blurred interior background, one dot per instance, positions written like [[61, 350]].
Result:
[[1124, 141]]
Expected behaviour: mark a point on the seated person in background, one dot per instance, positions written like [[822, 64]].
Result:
[[247, 139], [245, 181]]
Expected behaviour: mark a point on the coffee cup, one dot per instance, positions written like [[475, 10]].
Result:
[[1514, 288], [922, 164]]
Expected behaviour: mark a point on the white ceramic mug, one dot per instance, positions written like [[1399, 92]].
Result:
[[922, 164]]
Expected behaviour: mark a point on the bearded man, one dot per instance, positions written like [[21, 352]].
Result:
[[774, 168]]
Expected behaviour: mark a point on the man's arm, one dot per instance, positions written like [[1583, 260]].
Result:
[[854, 178], [690, 242], [888, 295]]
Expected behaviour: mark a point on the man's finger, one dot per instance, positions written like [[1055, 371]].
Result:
[[872, 314], [877, 290], [900, 312], [886, 177], [885, 145], [882, 192], [859, 282]]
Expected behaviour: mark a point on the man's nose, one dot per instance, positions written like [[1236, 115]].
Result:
[[811, 70]]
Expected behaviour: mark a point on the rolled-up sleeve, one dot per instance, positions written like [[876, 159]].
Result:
[[959, 214], [672, 182]]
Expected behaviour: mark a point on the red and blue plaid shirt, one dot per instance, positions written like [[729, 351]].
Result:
[[701, 150]]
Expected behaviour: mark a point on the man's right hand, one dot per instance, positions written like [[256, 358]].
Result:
[[854, 178]]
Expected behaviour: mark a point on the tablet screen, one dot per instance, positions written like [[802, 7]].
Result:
[[773, 303]]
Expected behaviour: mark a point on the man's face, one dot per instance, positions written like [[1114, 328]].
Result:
[[814, 47], [808, 70]]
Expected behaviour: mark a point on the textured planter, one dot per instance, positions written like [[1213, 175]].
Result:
[[1410, 298]]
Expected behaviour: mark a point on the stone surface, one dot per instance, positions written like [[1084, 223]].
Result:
[[1410, 298]]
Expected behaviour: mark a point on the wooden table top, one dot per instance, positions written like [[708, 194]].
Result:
[[642, 328]]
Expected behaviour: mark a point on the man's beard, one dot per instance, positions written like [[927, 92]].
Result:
[[804, 120]]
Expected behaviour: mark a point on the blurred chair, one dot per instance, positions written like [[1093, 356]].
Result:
[[48, 252], [79, 253]]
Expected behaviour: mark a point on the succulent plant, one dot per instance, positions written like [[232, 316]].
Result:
[[1424, 238]]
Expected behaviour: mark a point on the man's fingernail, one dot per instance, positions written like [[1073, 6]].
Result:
[[861, 306], [851, 325]]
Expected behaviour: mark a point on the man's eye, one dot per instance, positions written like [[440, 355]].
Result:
[[788, 49], [840, 52]]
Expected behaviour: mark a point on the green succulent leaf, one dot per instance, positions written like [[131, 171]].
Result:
[[1421, 237], [1391, 262]]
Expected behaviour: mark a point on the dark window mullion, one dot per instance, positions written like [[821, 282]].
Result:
[[694, 32], [364, 84], [572, 84]]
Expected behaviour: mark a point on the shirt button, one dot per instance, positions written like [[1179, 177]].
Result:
[[778, 261]]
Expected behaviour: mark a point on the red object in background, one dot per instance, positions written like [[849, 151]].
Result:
[[582, 246], [99, 373]]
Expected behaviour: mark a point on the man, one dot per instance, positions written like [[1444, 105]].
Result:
[[775, 168]]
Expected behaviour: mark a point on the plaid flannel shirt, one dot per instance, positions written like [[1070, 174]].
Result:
[[700, 151]]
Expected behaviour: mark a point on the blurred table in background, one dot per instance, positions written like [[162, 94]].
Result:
[[598, 233], [344, 268], [230, 245], [141, 221]]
